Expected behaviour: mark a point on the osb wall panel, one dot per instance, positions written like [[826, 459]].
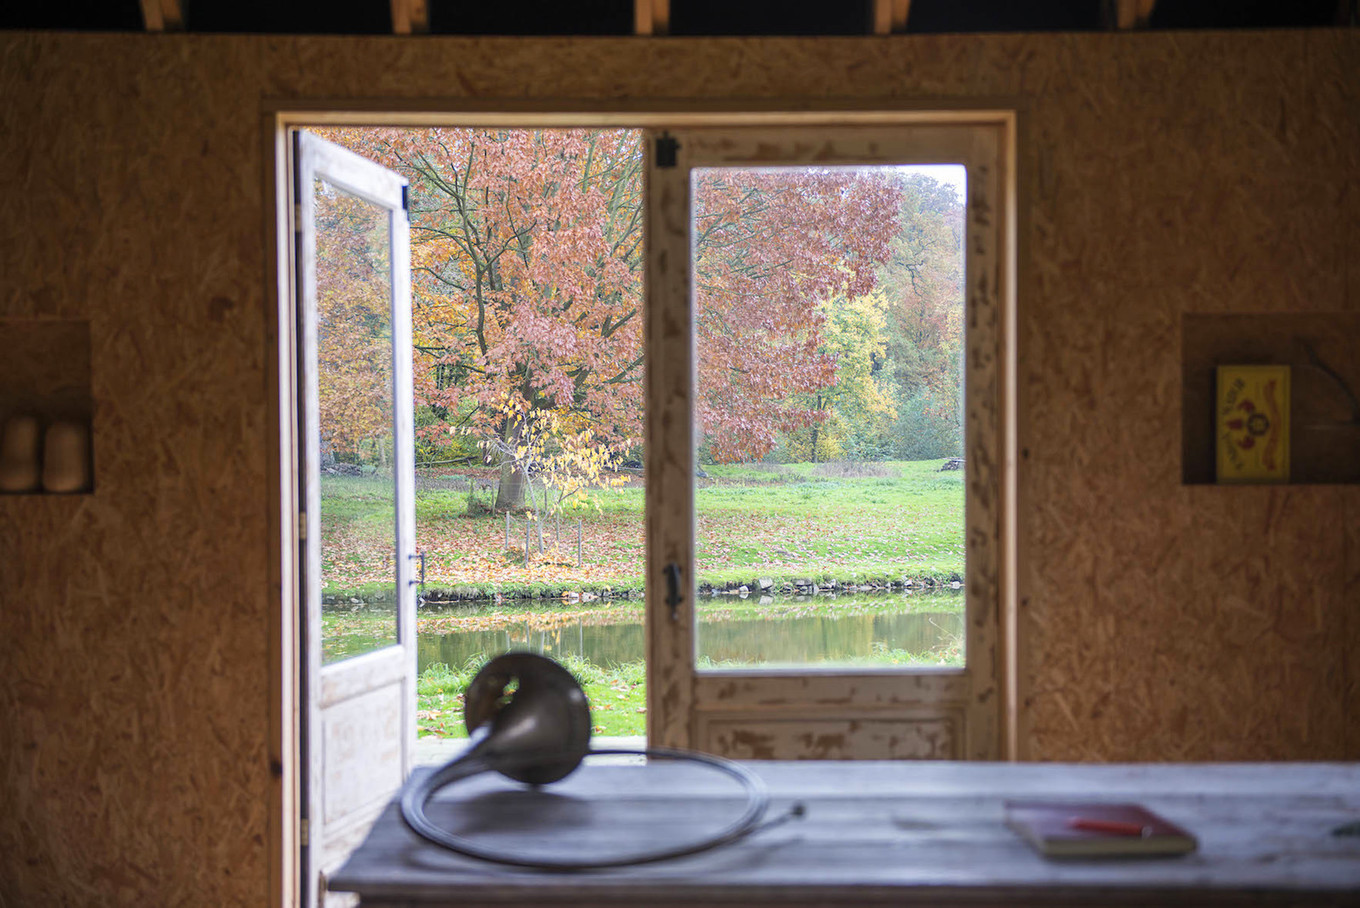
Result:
[[134, 706], [1162, 621], [1162, 174]]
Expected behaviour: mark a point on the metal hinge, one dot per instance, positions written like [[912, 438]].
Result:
[[297, 217], [666, 148], [302, 526], [406, 198], [303, 831]]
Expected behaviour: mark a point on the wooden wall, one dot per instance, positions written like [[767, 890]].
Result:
[[1163, 174]]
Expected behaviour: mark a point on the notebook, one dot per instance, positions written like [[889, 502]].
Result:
[[1091, 829]]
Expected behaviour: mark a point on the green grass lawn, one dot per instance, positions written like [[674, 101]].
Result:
[[617, 697], [798, 521], [850, 523], [805, 520]]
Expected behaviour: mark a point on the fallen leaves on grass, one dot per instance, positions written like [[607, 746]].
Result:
[[798, 526], [461, 551]]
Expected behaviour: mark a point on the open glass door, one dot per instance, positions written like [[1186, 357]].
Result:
[[355, 358], [762, 242]]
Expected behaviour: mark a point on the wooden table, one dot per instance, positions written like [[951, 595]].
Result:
[[900, 833]]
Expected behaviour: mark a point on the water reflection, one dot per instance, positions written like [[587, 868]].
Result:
[[786, 631]]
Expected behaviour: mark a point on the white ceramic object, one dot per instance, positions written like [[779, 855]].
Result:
[[19, 455], [66, 457]]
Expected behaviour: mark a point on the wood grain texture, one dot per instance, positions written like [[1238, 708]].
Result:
[[966, 700], [134, 759], [927, 833], [1160, 173], [668, 331], [803, 735]]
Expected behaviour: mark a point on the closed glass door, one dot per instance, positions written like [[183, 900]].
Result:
[[825, 341]]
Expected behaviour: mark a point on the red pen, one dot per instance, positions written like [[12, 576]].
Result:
[[1109, 827]]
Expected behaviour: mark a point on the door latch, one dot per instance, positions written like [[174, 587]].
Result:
[[666, 147], [673, 598]]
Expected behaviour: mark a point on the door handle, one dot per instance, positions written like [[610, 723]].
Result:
[[421, 557], [673, 598]]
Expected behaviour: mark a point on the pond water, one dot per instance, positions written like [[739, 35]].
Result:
[[874, 628], [866, 628]]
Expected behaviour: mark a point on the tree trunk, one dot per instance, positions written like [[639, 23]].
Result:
[[510, 490], [815, 425]]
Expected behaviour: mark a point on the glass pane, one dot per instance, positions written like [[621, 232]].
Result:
[[529, 345], [526, 253], [829, 503], [354, 369]]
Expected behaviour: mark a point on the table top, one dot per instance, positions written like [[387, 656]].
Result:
[[900, 832]]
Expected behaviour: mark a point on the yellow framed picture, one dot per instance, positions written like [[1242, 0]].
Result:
[[1252, 423]]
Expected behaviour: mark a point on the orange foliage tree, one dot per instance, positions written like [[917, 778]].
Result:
[[354, 327], [923, 282], [527, 258], [771, 247]]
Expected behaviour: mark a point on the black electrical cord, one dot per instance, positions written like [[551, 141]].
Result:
[[416, 797]]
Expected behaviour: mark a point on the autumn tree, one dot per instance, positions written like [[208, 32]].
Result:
[[354, 331], [527, 255], [923, 284], [858, 401], [526, 252], [897, 388], [772, 246]]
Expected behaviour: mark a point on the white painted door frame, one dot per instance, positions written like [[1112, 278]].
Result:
[[358, 737]]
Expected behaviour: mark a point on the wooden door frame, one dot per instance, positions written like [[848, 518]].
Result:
[[764, 714], [340, 697], [277, 117]]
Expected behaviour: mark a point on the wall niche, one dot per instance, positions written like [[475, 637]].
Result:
[[45, 406], [1322, 350]]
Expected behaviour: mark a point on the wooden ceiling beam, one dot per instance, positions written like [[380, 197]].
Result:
[[410, 17], [651, 17], [1131, 14], [890, 16], [163, 15]]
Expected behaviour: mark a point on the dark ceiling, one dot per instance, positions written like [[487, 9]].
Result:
[[687, 17]]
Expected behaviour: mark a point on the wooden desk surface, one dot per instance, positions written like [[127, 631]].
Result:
[[901, 832]]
